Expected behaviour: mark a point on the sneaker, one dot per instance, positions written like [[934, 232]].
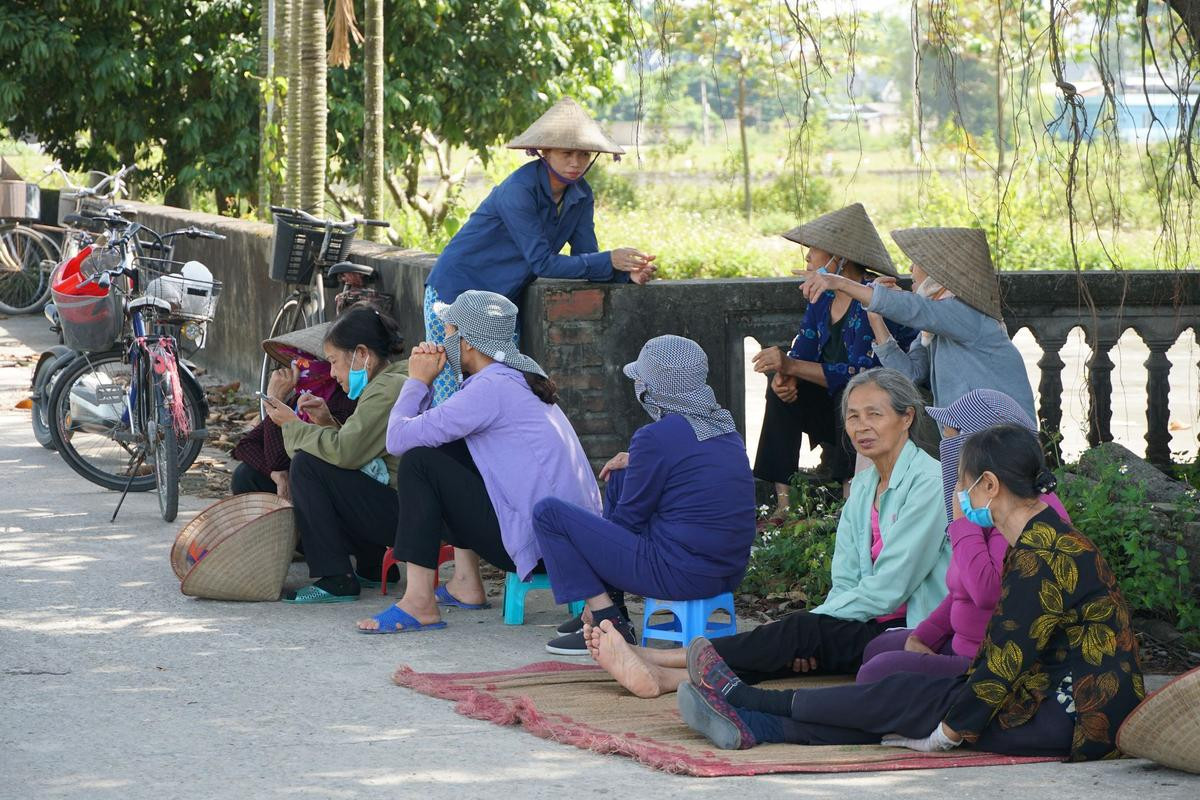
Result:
[[573, 625], [573, 644]]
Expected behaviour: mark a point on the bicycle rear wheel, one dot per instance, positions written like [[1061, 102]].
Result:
[[166, 442], [48, 371], [26, 260], [91, 426], [297, 312]]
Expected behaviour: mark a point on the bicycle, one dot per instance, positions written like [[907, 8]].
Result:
[[79, 215], [304, 248], [27, 255], [115, 409]]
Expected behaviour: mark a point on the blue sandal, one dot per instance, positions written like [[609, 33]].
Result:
[[444, 598], [396, 620]]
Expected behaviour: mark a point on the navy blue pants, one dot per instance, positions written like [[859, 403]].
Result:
[[910, 704], [587, 555]]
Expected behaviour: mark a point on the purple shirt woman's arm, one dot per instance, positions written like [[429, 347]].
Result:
[[413, 424], [935, 630], [517, 210]]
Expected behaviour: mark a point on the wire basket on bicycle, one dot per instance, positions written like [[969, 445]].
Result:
[[298, 244], [92, 316]]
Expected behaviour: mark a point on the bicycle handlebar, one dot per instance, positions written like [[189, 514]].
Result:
[[117, 179], [339, 225]]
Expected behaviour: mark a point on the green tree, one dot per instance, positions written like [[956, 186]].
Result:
[[373, 116], [465, 74], [162, 82]]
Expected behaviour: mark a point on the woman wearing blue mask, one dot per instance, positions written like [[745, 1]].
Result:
[[342, 478], [518, 232], [1056, 674]]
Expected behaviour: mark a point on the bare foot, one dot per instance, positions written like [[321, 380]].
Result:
[[424, 615], [592, 637], [619, 660]]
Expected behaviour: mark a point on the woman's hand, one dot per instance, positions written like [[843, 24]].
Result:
[[282, 487], [956, 512], [619, 461], [283, 382], [426, 361], [804, 665], [914, 645], [279, 413], [629, 259], [642, 276], [317, 410], [769, 359], [887, 282], [785, 387]]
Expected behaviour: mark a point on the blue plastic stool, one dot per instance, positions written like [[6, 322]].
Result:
[[514, 596], [690, 619]]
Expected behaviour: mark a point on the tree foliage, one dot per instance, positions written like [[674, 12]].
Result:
[[465, 74], [163, 82]]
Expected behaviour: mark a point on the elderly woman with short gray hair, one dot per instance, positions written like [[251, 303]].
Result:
[[889, 561]]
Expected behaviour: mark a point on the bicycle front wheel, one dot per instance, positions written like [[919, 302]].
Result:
[[26, 260], [166, 441], [92, 422], [296, 313]]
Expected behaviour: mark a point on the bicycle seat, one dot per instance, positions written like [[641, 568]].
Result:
[[350, 268], [150, 302]]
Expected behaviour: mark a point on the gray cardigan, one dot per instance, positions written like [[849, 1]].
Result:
[[969, 350]]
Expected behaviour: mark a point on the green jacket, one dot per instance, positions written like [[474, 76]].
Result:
[[363, 436], [916, 552]]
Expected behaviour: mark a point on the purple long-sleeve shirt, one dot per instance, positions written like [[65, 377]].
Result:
[[973, 578], [525, 449]]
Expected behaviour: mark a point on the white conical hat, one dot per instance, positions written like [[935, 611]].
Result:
[[847, 233], [959, 259], [565, 126]]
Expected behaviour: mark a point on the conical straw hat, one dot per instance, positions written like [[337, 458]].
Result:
[[848, 233], [1165, 727], [565, 126], [242, 545], [310, 340], [959, 259]]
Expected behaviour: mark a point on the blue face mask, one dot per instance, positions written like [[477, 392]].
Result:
[[836, 270], [977, 516], [357, 380]]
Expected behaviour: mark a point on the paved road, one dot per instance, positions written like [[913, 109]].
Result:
[[114, 685]]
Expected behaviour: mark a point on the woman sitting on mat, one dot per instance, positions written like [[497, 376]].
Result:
[[889, 559], [955, 303], [341, 475], [472, 468], [518, 232], [1056, 675], [948, 639], [264, 460], [679, 506]]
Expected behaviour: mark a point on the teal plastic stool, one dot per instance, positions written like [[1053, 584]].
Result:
[[690, 619], [514, 596]]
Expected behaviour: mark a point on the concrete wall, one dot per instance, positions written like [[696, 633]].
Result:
[[582, 333]]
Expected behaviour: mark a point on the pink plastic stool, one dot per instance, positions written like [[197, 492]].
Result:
[[389, 558]]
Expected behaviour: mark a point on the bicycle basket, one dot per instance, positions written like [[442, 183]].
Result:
[[296, 246], [189, 288], [92, 317], [70, 203]]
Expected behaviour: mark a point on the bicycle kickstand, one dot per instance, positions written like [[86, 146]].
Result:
[[132, 474]]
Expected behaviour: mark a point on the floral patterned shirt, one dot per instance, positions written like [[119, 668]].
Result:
[[1061, 625], [814, 333]]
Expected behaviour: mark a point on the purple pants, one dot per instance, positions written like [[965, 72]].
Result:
[[885, 655]]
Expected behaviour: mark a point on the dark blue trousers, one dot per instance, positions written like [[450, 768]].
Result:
[[586, 555]]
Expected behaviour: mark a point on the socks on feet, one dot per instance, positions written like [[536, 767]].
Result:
[[340, 585], [769, 701]]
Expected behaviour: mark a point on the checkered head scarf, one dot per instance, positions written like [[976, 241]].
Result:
[[975, 411], [488, 321], [670, 377]]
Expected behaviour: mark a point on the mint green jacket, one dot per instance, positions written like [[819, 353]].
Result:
[[916, 552]]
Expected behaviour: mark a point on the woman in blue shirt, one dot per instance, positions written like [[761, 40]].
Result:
[[518, 232], [835, 342]]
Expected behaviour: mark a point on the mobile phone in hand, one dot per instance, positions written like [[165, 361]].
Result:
[[271, 401]]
